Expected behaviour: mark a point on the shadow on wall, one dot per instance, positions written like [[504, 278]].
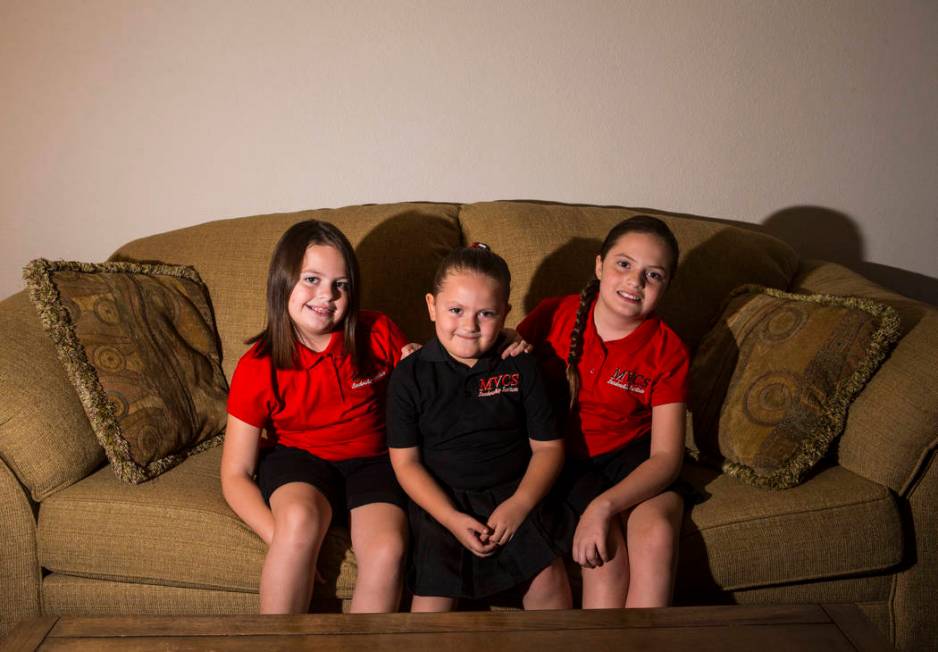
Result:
[[817, 232], [394, 280], [555, 276]]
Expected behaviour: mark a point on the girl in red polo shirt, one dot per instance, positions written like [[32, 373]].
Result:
[[623, 373], [315, 380]]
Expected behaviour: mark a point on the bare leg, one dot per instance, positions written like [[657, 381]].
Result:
[[652, 530], [550, 589], [379, 532], [606, 586], [425, 603], [301, 517]]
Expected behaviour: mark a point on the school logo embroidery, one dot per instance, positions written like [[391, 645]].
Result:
[[631, 381], [362, 382], [494, 385]]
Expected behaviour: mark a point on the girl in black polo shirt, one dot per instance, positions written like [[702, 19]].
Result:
[[473, 442]]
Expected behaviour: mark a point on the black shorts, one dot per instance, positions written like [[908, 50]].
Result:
[[584, 479], [346, 484]]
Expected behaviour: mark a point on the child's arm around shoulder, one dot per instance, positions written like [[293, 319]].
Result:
[[537, 324]]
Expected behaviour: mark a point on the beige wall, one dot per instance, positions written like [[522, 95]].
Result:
[[121, 118]]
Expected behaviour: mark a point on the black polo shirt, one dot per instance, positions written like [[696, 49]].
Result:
[[472, 424]]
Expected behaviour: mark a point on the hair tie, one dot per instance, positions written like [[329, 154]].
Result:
[[480, 245]]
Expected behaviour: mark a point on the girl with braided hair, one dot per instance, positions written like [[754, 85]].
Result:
[[623, 373]]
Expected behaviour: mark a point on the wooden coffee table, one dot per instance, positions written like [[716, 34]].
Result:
[[761, 628]]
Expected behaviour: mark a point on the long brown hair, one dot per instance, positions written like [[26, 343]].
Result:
[[279, 338], [637, 224]]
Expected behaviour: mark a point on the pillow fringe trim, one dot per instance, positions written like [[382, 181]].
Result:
[[58, 324], [813, 449]]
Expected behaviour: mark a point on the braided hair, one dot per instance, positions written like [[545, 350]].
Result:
[[638, 224]]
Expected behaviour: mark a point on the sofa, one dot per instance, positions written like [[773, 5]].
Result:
[[861, 527]]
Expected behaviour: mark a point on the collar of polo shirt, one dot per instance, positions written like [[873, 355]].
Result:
[[309, 358], [434, 352]]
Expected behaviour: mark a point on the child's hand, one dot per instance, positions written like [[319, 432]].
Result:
[[505, 521], [514, 344], [410, 347], [470, 532], [589, 540]]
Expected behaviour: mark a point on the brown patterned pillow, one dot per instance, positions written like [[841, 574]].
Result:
[[139, 344], [770, 384]]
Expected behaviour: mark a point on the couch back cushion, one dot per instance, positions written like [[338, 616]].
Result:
[[398, 247], [551, 249]]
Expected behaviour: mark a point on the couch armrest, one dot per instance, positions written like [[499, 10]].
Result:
[[914, 594], [45, 437], [892, 426], [19, 565]]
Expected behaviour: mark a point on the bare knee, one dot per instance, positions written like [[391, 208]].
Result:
[[550, 589], [614, 572], [653, 526], [300, 524], [383, 555], [379, 539]]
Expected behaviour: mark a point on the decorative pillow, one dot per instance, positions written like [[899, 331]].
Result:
[[770, 384], [138, 343]]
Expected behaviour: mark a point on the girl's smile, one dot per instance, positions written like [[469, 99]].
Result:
[[319, 300]]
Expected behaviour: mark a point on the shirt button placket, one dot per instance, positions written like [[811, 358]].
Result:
[[338, 377]]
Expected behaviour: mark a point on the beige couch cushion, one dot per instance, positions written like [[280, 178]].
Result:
[[45, 437], [175, 530], [550, 249], [836, 525], [398, 247]]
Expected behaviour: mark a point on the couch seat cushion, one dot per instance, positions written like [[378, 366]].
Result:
[[837, 525], [175, 530]]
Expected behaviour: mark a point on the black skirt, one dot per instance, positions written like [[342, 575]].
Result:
[[442, 566]]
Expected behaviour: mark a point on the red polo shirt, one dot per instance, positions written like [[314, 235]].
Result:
[[620, 380], [326, 409]]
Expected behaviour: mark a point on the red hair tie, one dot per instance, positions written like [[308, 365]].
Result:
[[480, 245]]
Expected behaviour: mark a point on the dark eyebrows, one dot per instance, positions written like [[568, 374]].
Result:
[[630, 259], [315, 272]]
